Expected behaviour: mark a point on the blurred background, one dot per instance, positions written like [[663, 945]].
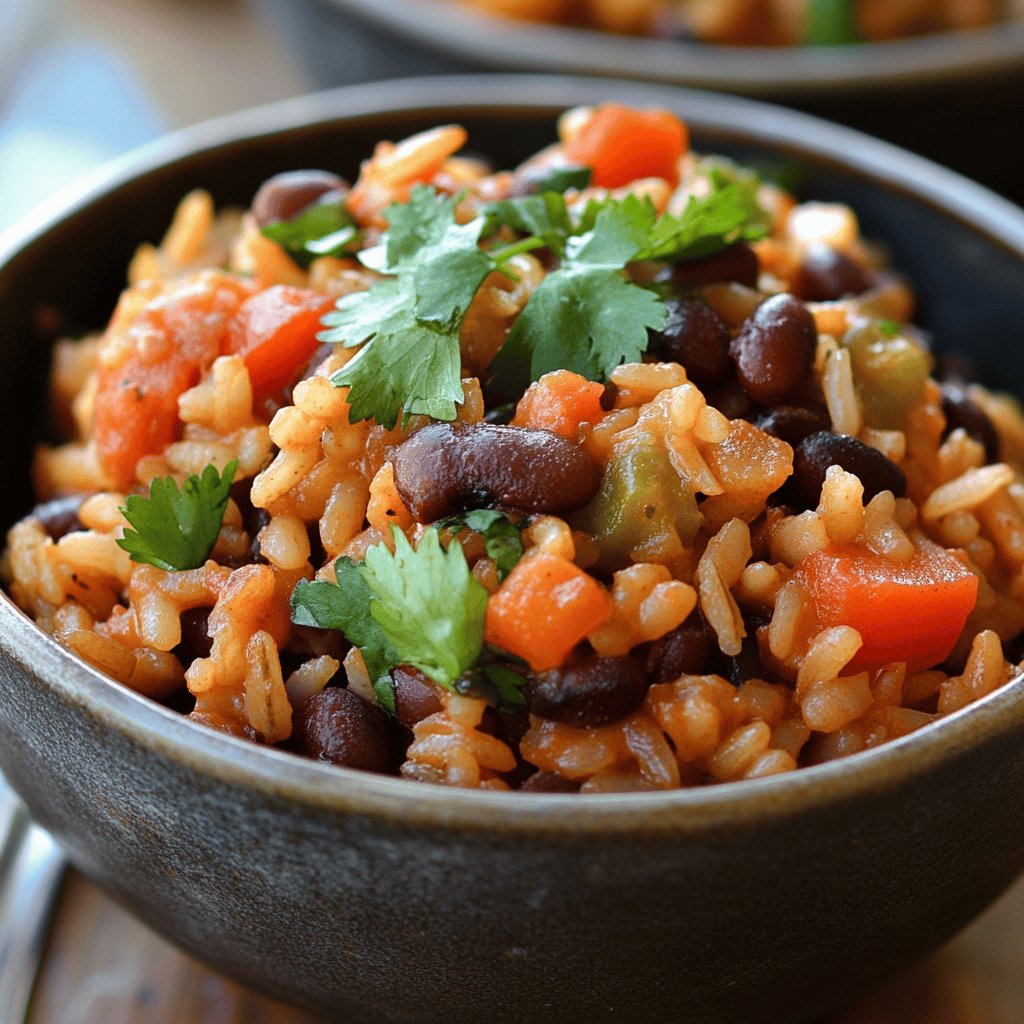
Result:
[[83, 80]]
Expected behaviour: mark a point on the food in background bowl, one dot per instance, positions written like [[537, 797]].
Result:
[[617, 471], [763, 22]]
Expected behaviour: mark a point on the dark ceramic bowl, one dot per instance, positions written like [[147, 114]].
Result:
[[379, 900], [949, 96], [440, 32]]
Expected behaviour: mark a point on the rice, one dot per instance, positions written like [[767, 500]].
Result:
[[716, 634]]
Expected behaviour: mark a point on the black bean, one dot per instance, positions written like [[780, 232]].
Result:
[[415, 696], [254, 523], [286, 195], [827, 274], [60, 516], [696, 337], [196, 642], [816, 453], [774, 349], [589, 692], [337, 726], [745, 665], [737, 263], [548, 782], [961, 412], [444, 468], [792, 423], [682, 652]]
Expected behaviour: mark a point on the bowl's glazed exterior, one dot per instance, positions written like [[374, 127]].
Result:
[[378, 900]]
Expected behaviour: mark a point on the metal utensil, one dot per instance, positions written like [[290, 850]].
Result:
[[31, 866]]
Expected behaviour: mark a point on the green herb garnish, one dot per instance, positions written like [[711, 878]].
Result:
[[174, 529], [344, 606], [888, 328], [586, 316], [409, 324], [502, 538], [323, 229], [414, 606]]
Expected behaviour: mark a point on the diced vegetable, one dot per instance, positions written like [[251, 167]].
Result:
[[560, 402], [167, 346], [912, 612], [543, 609], [275, 332], [642, 509], [890, 373], [621, 145]]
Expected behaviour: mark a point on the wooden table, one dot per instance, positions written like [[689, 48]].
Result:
[[103, 967]]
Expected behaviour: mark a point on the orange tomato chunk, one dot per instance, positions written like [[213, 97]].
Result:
[[275, 333], [912, 611], [560, 402], [621, 145], [544, 608], [165, 349]]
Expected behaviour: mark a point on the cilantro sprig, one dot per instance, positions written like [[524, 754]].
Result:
[[174, 529], [323, 229], [586, 316], [409, 323], [412, 606]]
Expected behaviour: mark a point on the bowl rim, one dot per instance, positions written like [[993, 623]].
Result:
[[502, 43], [326, 787]]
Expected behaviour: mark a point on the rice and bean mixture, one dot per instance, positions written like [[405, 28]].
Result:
[[764, 22], [621, 470]]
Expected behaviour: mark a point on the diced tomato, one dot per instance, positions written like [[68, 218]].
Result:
[[621, 145], [275, 332], [912, 611], [167, 347], [544, 608], [560, 402]]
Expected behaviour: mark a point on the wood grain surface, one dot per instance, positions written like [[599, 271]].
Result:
[[103, 967]]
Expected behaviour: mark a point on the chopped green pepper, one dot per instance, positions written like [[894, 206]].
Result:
[[641, 502], [890, 373]]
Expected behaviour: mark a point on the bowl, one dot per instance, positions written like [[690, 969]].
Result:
[[374, 899], [948, 95]]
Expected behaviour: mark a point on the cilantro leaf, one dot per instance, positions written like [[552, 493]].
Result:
[[416, 224], [344, 606], [405, 365], [414, 606], [502, 538], [174, 529], [427, 604], [323, 229], [508, 683], [585, 316], [544, 216], [729, 213], [409, 324], [888, 328]]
